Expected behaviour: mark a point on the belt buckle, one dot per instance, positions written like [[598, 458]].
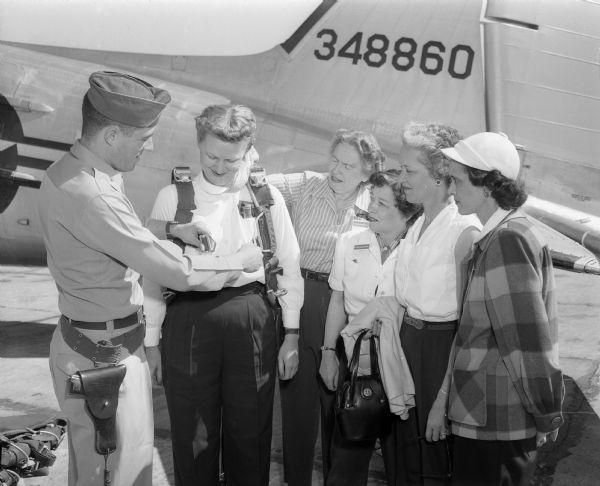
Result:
[[416, 323]]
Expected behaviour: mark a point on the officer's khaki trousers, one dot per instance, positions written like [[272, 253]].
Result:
[[131, 464]]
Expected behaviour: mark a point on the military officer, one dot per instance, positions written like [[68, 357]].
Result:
[[97, 248]]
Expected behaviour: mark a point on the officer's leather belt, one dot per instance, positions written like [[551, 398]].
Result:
[[318, 276], [121, 323], [429, 325], [104, 351]]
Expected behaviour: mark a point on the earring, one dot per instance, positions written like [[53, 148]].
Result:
[[438, 182]]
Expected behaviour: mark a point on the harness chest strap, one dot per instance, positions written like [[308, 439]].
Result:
[[262, 200], [182, 179]]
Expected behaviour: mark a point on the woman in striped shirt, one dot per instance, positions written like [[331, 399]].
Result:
[[322, 207]]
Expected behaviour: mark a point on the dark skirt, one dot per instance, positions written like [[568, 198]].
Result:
[[409, 458]]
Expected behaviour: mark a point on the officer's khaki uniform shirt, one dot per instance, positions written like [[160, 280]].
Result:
[[97, 246]]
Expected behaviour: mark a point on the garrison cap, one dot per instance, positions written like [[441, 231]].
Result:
[[126, 99]]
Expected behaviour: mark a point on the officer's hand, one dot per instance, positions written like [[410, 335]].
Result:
[[329, 369], [252, 257], [155, 364], [195, 234], [287, 361], [543, 437]]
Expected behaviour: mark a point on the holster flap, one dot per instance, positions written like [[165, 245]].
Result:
[[101, 389]]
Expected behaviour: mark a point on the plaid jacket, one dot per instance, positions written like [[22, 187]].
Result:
[[506, 384]]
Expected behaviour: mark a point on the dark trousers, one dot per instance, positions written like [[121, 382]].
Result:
[[409, 458], [349, 459], [493, 462], [219, 362], [301, 395]]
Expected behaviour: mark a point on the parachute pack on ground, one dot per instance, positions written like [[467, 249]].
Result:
[[26, 446]]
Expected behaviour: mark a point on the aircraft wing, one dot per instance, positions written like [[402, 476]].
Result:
[[575, 226], [182, 27], [566, 253]]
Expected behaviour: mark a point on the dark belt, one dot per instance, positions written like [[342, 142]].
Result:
[[103, 351], [318, 276], [430, 325], [127, 321]]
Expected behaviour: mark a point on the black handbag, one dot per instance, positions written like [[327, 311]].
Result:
[[361, 408]]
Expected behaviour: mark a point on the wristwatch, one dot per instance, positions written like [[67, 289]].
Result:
[[327, 348], [168, 228], [291, 330]]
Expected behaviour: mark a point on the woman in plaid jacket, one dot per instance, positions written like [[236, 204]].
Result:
[[506, 389]]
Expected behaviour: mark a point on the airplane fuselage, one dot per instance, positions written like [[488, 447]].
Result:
[[361, 65]]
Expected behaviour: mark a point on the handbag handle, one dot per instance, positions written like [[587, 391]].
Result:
[[353, 365]]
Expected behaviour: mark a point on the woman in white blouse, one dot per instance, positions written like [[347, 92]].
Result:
[[363, 269], [428, 284]]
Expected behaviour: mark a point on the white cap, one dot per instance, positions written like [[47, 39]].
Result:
[[487, 151]]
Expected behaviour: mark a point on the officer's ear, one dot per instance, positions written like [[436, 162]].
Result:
[[111, 134]]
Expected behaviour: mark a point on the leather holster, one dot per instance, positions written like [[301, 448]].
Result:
[[100, 387]]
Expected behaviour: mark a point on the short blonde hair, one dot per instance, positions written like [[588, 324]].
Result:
[[429, 139], [229, 123], [366, 145]]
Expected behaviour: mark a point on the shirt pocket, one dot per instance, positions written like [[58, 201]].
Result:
[[468, 403], [361, 277], [359, 267], [354, 261]]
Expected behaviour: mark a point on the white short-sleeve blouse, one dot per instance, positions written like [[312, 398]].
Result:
[[358, 272]]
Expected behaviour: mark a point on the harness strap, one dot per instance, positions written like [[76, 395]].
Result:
[[262, 199], [185, 201]]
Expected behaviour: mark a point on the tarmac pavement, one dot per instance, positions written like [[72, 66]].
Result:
[[28, 316]]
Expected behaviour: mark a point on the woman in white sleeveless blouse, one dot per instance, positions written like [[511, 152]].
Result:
[[427, 285]]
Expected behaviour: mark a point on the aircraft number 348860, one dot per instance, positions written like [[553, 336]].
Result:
[[404, 54]]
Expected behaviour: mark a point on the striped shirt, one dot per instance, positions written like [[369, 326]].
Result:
[[506, 383], [317, 221], [386, 250]]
